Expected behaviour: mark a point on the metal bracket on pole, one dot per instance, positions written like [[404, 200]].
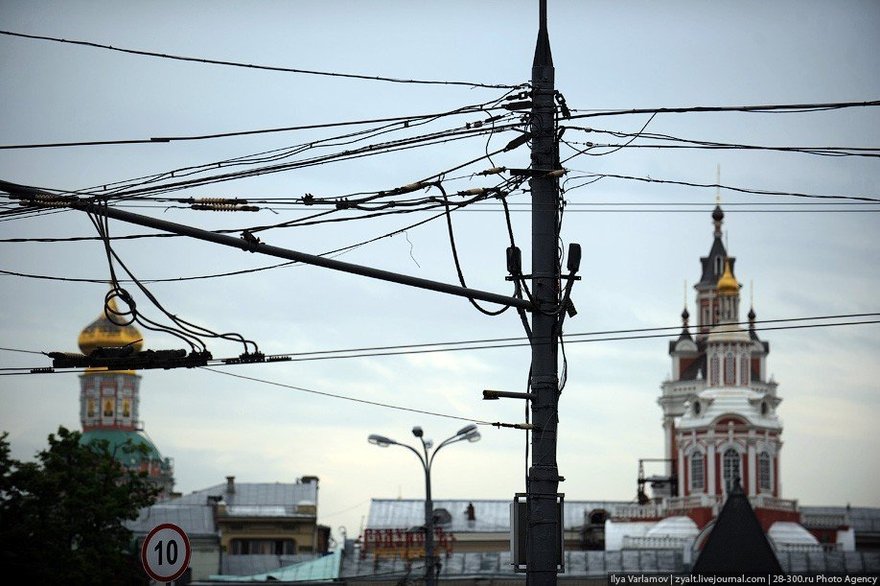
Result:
[[490, 395]]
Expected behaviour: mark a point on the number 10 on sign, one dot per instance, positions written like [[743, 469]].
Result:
[[166, 552]]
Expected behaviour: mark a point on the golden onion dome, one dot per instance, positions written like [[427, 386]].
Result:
[[727, 284], [104, 333]]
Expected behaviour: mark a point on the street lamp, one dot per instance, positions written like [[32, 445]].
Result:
[[426, 457]]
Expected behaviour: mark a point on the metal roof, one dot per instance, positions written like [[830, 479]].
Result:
[[490, 515], [257, 494], [194, 512], [325, 568], [195, 520]]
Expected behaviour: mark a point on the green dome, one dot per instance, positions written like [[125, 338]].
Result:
[[116, 439]]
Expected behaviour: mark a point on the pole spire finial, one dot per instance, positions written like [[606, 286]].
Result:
[[543, 56]]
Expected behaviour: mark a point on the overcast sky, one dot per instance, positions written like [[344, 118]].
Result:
[[802, 259]]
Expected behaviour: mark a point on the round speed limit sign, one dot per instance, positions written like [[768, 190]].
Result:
[[165, 552]]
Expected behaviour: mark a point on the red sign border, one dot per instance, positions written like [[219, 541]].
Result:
[[187, 548]]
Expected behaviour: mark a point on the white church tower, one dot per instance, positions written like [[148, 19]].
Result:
[[719, 409]]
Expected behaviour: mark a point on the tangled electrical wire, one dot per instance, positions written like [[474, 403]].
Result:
[[188, 332]]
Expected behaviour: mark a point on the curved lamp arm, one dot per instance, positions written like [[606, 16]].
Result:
[[468, 433], [384, 442]]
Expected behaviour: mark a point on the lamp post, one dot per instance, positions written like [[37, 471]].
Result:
[[426, 457]]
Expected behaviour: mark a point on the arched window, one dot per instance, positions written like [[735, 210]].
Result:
[[744, 370], [764, 479], [729, 369], [714, 371], [698, 472], [598, 517], [731, 468]]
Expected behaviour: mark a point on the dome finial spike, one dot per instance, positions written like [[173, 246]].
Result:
[[718, 184]]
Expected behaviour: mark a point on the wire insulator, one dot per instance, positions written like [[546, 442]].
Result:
[[219, 200], [47, 201], [518, 141], [493, 171], [409, 188], [224, 207]]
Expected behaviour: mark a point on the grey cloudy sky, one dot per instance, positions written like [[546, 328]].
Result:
[[795, 261]]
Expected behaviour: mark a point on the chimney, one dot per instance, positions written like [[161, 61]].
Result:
[[230, 484], [218, 507]]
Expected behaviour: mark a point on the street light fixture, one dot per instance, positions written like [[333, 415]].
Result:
[[426, 457]]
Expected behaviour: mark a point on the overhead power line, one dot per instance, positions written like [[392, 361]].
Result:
[[10, 371], [868, 152], [259, 67], [616, 335], [827, 151], [167, 139], [367, 150], [597, 176], [761, 109], [347, 398]]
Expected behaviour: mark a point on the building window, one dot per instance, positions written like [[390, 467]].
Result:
[[731, 468], [744, 370], [698, 472], [263, 546], [764, 480], [729, 369], [714, 369]]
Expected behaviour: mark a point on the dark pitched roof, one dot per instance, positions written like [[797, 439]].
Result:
[[711, 271], [737, 544]]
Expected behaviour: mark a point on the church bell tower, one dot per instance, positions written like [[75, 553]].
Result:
[[719, 409], [110, 401]]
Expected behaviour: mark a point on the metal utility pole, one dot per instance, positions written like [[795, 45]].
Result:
[[543, 529]]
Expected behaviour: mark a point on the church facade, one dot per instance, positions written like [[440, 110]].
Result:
[[720, 420]]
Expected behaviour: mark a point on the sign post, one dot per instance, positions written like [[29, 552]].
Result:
[[166, 552]]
